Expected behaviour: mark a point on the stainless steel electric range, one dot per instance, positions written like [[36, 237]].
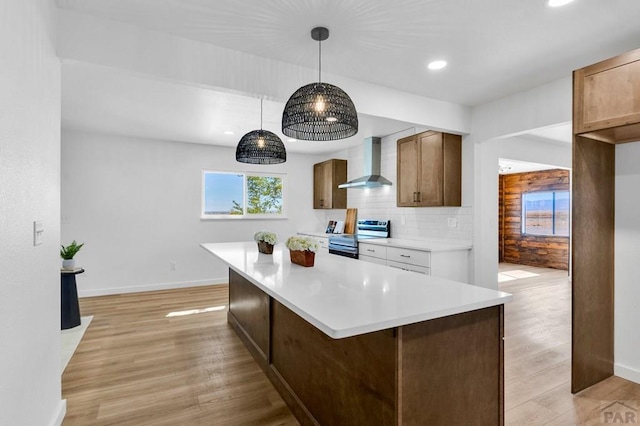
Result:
[[347, 244]]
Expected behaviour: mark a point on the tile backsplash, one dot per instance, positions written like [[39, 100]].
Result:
[[432, 223]]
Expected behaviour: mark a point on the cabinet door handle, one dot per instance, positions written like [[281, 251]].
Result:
[[405, 255], [419, 196], [321, 202], [371, 250], [415, 197]]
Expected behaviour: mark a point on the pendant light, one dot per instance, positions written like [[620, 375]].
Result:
[[319, 111], [261, 147]]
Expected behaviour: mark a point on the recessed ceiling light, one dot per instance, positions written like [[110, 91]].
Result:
[[437, 65], [558, 3], [228, 132]]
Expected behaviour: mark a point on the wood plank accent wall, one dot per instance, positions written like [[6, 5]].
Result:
[[501, 218], [533, 250]]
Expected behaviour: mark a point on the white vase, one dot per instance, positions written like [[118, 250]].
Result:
[[68, 264]]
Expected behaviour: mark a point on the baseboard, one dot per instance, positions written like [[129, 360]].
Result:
[[59, 416], [150, 287], [627, 373]]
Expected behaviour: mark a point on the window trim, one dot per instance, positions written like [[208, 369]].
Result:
[[245, 215], [523, 215]]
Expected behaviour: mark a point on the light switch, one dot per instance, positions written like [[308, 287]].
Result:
[[38, 231]]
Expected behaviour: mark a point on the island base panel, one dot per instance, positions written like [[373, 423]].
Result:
[[341, 381], [452, 369], [249, 308]]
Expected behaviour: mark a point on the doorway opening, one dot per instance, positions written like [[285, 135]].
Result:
[[533, 215]]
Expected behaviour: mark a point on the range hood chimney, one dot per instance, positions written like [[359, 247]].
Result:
[[371, 178]]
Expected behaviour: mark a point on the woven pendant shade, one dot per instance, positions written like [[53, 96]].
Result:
[[319, 111], [261, 147]]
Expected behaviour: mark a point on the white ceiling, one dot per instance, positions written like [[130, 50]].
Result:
[[494, 48], [118, 102], [558, 133], [507, 166]]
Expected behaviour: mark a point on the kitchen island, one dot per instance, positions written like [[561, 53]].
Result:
[[350, 342]]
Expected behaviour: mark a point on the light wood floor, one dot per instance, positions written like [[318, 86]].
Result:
[[138, 364], [538, 355]]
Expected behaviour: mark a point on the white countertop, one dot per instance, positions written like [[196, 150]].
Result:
[[316, 234], [424, 245], [345, 297]]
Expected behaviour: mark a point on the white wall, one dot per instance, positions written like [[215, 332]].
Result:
[[380, 203], [627, 243], [29, 191], [135, 203]]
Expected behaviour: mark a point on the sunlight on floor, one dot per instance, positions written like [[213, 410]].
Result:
[[514, 275], [71, 339], [195, 311], [502, 278]]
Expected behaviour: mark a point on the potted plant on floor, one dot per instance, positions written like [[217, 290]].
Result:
[[266, 240], [302, 250], [67, 253]]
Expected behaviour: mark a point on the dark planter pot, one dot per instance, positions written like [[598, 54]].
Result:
[[265, 247]]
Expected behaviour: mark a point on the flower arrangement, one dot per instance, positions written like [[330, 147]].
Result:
[[266, 236], [298, 243], [302, 250]]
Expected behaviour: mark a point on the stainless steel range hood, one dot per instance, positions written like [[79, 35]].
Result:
[[371, 178]]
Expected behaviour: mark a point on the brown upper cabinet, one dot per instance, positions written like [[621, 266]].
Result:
[[429, 170], [606, 99], [326, 178]]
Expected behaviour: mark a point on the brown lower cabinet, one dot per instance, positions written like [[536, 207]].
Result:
[[444, 371]]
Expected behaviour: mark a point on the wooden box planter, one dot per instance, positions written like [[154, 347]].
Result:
[[302, 257]]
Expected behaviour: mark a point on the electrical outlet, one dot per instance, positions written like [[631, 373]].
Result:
[[403, 220], [452, 222], [172, 265]]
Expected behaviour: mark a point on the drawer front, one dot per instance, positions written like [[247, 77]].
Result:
[[414, 257], [409, 267], [372, 259], [372, 250], [323, 242]]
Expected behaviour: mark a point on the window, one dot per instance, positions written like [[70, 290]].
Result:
[[242, 195], [545, 213]]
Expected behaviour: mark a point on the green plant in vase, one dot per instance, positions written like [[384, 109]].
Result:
[[68, 252]]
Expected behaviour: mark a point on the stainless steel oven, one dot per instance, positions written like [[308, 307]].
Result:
[[347, 244]]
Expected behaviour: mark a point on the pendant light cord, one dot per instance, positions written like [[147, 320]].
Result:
[[320, 61], [260, 113]]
